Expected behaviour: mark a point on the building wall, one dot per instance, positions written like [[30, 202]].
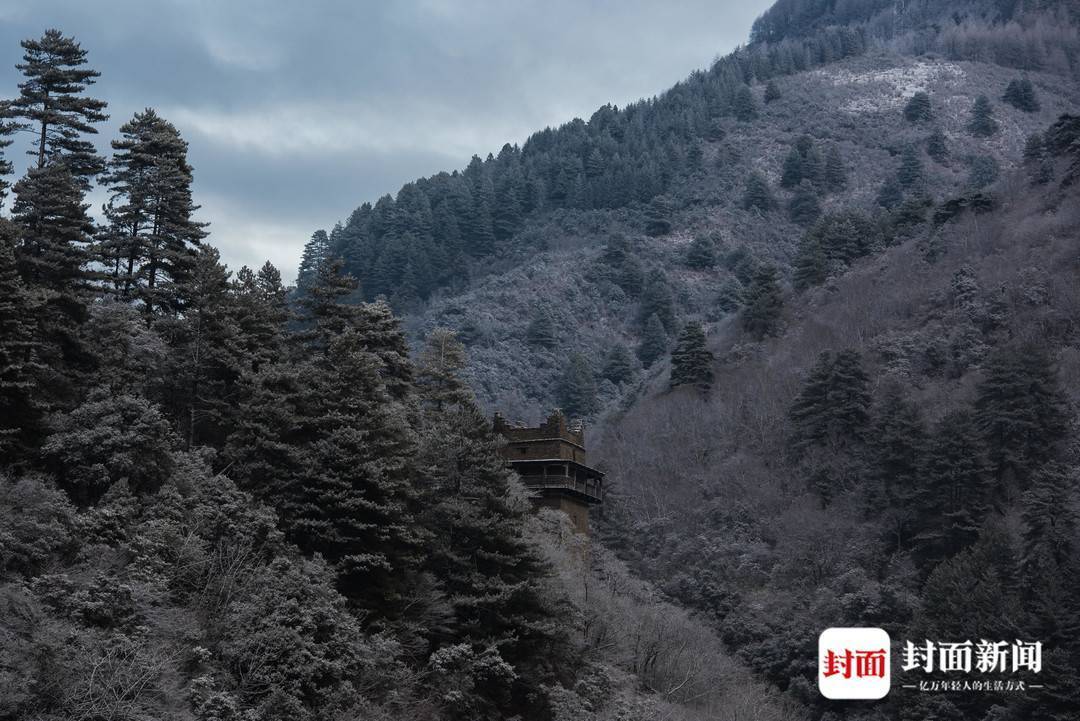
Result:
[[542, 449]]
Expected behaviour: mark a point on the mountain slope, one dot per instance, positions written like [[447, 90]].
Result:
[[776, 538], [894, 171], [855, 106]]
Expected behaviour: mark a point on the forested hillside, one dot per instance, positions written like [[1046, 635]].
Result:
[[572, 241], [826, 324], [902, 454], [818, 303], [216, 504]]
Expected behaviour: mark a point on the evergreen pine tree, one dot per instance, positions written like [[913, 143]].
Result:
[[206, 360], [975, 592], [702, 253], [7, 128], [619, 365], [151, 242], [911, 168], [846, 236], [438, 372], [743, 105], [810, 266], [1021, 95], [658, 216], [937, 147], [273, 296], [730, 296], [654, 341], [835, 172], [764, 304], [316, 252], [983, 170], [982, 123], [261, 313], [716, 131], [757, 194], [108, 439], [954, 495], [813, 164], [1050, 574], [20, 414], [1051, 520], [631, 277], [833, 408], [792, 173], [331, 307], [51, 100], [479, 226], [897, 449], [658, 300], [772, 92], [55, 233], [891, 194], [1034, 150], [616, 250], [507, 214], [577, 387], [804, 208], [1020, 409], [325, 442], [918, 108], [326, 310], [594, 164], [541, 331], [380, 334], [691, 361], [911, 214], [485, 566], [354, 501], [52, 256]]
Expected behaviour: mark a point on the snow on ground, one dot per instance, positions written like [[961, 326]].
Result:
[[890, 88]]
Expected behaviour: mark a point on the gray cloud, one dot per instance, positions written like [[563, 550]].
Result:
[[296, 113]]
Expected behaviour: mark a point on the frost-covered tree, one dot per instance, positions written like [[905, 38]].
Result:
[[982, 123], [763, 304], [757, 195], [618, 365], [918, 109], [654, 341], [937, 146], [1021, 95], [691, 361], [772, 92], [744, 106], [577, 387]]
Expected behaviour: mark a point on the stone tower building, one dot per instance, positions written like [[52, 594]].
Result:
[[550, 459]]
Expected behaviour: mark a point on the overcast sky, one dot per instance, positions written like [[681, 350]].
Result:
[[298, 112]]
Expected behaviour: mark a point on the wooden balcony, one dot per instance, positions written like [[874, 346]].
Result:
[[590, 490]]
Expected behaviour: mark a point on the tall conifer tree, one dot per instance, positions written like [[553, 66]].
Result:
[[51, 100], [764, 304], [654, 341], [691, 361], [152, 239]]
